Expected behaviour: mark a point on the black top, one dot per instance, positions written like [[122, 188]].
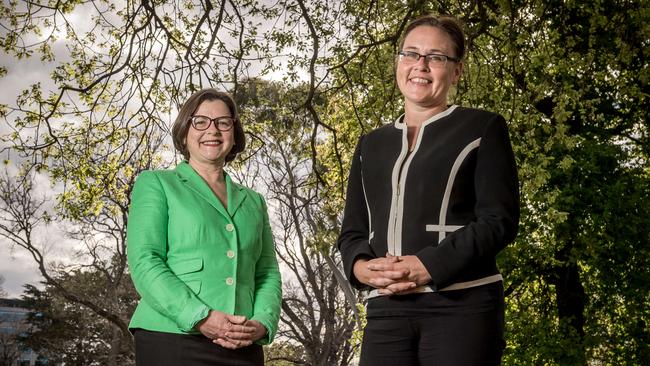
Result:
[[453, 201]]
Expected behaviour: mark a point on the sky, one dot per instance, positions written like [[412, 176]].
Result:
[[16, 265]]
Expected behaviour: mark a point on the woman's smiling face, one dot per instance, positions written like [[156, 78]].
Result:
[[424, 84], [210, 146]]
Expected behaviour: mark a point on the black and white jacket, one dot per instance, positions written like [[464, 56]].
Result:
[[453, 201]]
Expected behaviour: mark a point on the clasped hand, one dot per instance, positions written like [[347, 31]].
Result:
[[392, 275], [230, 331]]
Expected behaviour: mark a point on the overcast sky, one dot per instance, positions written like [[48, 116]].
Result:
[[16, 266]]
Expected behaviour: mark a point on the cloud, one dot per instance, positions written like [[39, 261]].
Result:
[[23, 73], [17, 266], [18, 269]]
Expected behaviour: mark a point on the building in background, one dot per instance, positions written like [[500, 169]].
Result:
[[13, 327]]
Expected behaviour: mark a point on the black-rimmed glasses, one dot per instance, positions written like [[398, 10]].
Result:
[[202, 123], [433, 59]]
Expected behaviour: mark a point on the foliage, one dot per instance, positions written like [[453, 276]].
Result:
[[66, 332], [315, 322], [3, 293], [570, 77], [579, 128]]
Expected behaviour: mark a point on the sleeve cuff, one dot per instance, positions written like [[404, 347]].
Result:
[[436, 268], [189, 318], [349, 266], [270, 330]]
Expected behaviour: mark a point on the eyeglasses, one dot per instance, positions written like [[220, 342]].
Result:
[[202, 123], [433, 59]]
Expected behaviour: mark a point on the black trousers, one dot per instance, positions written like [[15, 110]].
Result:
[[468, 331], [168, 349]]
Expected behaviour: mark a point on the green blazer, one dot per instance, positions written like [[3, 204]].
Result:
[[187, 254]]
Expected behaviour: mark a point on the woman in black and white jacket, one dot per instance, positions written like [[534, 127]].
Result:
[[432, 198]]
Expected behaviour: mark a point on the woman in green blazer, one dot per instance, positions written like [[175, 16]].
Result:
[[200, 249]]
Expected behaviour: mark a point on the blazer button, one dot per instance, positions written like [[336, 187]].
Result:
[[230, 227], [230, 254], [229, 281]]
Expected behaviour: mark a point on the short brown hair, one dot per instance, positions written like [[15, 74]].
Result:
[[449, 25], [182, 122]]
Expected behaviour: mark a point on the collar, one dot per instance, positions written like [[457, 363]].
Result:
[[235, 192], [399, 122]]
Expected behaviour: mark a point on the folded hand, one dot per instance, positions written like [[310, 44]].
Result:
[[230, 331], [392, 275]]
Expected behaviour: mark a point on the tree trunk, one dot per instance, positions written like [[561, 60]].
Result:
[[116, 337], [571, 303]]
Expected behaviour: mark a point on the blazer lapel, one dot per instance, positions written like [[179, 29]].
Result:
[[236, 195], [194, 181]]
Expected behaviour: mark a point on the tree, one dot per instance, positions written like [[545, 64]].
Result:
[[106, 119], [580, 142], [316, 321], [571, 79], [3, 293], [22, 217], [580, 135], [588, 152], [66, 332], [103, 120]]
